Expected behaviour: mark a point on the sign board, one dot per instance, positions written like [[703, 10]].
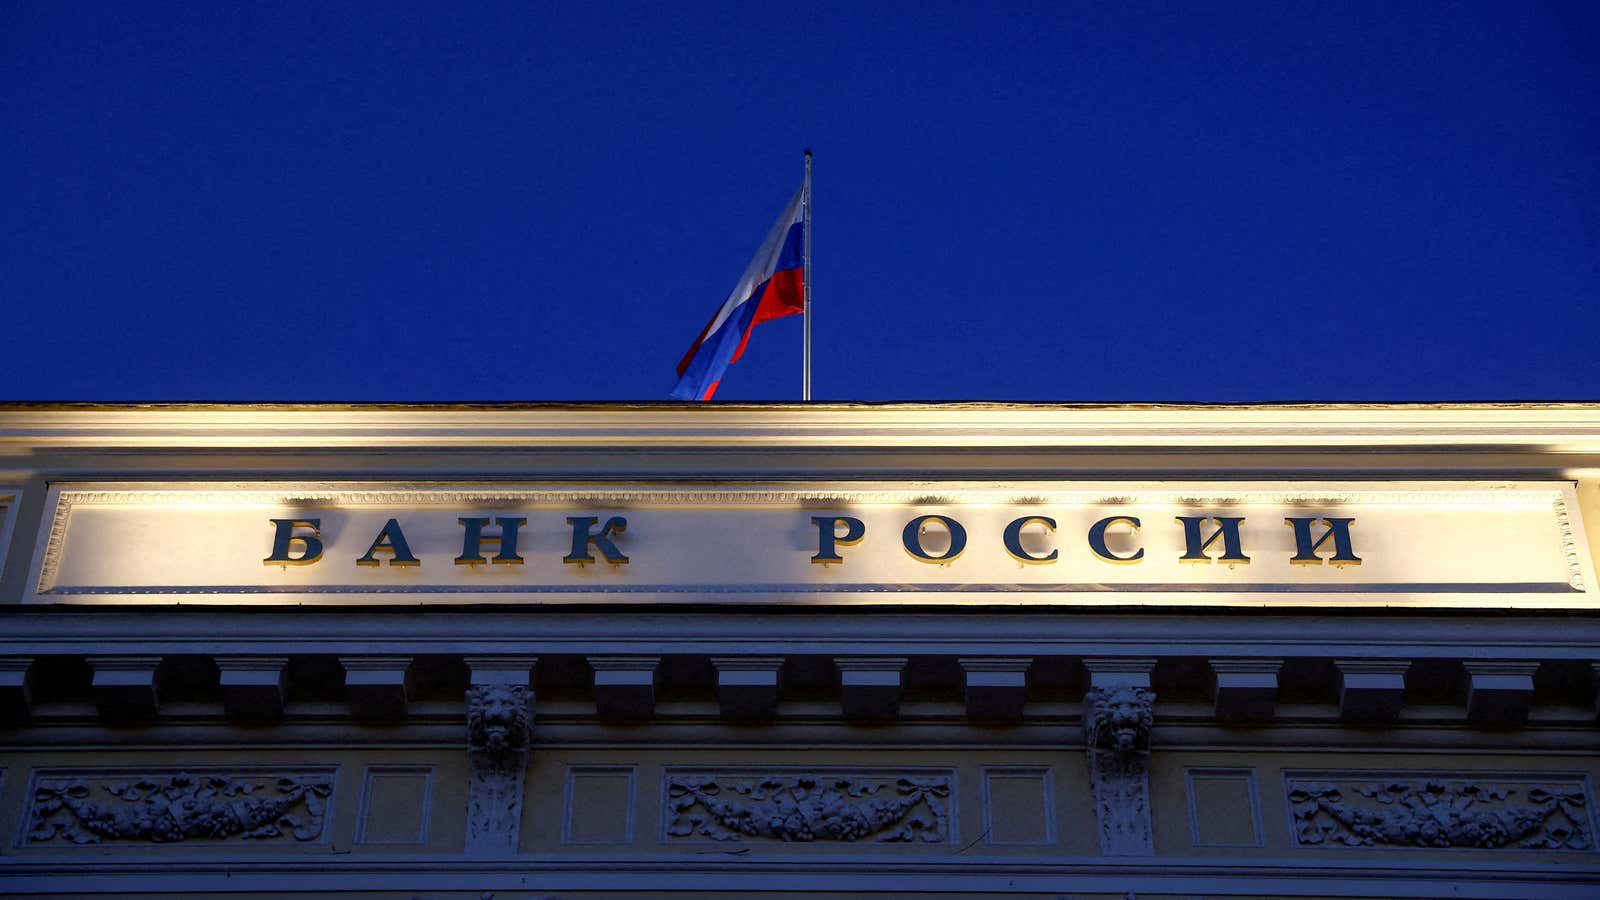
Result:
[[1284, 544]]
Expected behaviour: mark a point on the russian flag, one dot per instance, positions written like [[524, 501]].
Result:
[[773, 286]]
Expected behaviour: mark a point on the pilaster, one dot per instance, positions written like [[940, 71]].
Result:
[[1118, 713]]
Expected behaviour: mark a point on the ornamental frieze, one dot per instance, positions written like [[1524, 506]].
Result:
[[169, 806], [854, 806], [1423, 811]]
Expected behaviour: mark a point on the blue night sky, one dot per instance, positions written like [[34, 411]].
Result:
[[1053, 201]]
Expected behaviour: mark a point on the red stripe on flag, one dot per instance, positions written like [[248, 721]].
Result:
[[784, 296]]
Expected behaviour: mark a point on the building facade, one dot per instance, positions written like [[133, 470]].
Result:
[[970, 650]]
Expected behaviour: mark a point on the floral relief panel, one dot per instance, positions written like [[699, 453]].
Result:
[[1440, 811], [169, 806], [913, 806]]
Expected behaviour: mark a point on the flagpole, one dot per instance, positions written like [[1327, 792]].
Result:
[[805, 283]]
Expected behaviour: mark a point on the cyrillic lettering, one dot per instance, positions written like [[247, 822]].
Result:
[[1097, 540], [1305, 550], [911, 537], [829, 539], [390, 540], [284, 540], [1227, 529], [1013, 540], [474, 539], [582, 538]]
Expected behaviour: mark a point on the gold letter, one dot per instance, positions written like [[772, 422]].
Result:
[[1306, 552], [472, 543], [284, 540], [1097, 540], [828, 536], [581, 539], [391, 539], [1227, 529], [1012, 538]]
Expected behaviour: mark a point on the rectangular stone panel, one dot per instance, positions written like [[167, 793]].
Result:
[[599, 805], [205, 804], [1355, 544], [790, 805], [1018, 805], [1437, 810], [1224, 809], [396, 805]]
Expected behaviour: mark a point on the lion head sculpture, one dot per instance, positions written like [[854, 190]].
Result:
[[497, 718], [1119, 718]]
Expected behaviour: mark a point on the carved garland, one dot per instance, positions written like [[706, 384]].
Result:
[[1441, 813], [810, 807], [180, 807]]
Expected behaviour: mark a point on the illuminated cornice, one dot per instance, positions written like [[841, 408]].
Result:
[[1545, 428]]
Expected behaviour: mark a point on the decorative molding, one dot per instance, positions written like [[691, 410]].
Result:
[[1569, 544], [499, 734], [869, 805], [1001, 592], [1426, 810], [929, 632], [1363, 876], [1117, 722], [92, 806], [1564, 428], [1504, 495]]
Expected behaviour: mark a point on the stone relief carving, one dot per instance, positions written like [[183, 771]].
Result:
[[499, 733], [856, 806], [1445, 812], [1117, 722], [166, 807], [1569, 544]]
